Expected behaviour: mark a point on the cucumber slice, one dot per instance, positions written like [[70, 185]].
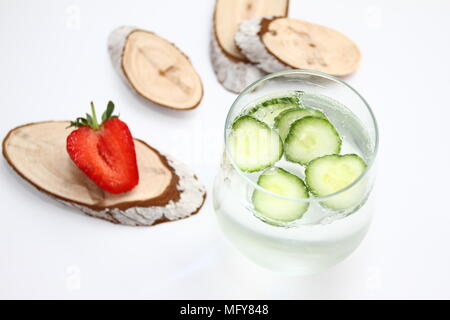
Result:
[[253, 145], [268, 110], [284, 120], [332, 173], [310, 138], [281, 182]]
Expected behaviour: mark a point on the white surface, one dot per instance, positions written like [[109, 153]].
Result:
[[53, 61]]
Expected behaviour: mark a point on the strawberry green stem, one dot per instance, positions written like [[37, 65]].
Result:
[[94, 117]]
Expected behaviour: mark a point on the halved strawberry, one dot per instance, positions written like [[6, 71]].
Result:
[[104, 152]]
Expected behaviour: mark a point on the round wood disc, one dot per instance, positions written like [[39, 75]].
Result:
[[230, 13], [155, 68], [37, 152], [303, 45]]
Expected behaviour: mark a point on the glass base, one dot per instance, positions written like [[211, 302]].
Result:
[[300, 250]]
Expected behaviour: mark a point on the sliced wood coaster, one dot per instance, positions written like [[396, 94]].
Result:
[[167, 190], [155, 68], [233, 70], [276, 44]]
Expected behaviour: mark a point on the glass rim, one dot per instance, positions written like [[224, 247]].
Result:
[[319, 74]]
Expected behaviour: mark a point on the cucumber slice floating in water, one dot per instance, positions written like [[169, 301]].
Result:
[[282, 182], [310, 138], [332, 173], [268, 110], [284, 120], [253, 145]]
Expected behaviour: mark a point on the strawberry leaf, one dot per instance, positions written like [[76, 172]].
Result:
[[91, 120], [108, 112]]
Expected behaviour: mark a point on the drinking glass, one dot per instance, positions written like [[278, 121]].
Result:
[[322, 237]]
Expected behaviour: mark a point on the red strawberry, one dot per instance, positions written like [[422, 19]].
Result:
[[105, 152]]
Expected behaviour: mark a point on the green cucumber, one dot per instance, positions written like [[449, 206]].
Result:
[[281, 182], [284, 120], [268, 110], [253, 145], [332, 173], [310, 138]]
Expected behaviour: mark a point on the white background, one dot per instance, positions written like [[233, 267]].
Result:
[[53, 61]]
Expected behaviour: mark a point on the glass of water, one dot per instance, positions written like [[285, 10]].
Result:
[[334, 224]]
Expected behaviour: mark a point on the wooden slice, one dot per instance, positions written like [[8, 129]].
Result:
[[167, 190], [277, 44], [232, 69], [230, 13], [155, 68]]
